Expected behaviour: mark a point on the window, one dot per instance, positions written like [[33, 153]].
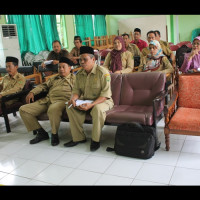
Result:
[[61, 27]]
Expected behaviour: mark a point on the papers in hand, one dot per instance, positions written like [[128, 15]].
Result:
[[48, 62], [80, 102]]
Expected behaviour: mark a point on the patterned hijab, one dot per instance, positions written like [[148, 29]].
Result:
[[116, 63], [153, 61]]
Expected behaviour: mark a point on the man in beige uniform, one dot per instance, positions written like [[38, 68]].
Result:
[[131, 47], [92, 83], [59, 90], [13, 82]]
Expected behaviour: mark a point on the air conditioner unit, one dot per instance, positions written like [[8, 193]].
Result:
[[9, 43]]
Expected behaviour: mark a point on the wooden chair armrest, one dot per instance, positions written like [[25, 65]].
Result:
[[76, 69], [170, 108], [46, 78], [38, 78]]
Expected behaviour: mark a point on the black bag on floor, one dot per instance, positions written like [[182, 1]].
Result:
[[135, 140]]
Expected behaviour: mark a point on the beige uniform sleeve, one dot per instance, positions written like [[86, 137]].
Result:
[[76, 89], [129, 63], [167, 67], [106, 86], [17, 87], [107, 61], [44, 87], [137, 51], [142, 63]]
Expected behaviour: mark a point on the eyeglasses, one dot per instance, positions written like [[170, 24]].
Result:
[[196, 43]]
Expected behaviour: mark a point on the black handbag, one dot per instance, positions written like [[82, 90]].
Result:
[[135, 140]]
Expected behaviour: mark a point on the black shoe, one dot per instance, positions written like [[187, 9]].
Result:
[[40, 136], [34, 132], [72, 143], [54, 139], [94, 145]]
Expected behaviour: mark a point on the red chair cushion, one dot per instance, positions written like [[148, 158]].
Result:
[[187, 119]]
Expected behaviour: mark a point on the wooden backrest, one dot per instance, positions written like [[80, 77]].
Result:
[[189, 91]]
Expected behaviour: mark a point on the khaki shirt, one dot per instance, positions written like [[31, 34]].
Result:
[[165, 65], [165, 43], [93, 85], [58, 88], [127, 62], [134, 50], [75, 52], [165, 50], [56, 56], [11, 85]]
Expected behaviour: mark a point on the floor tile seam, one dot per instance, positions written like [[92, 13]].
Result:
[[137, 179], [73, 169], [138, 171], [21, 176], [37, 172], [103, 173], [188, 168], [113, 176], [34, 178]]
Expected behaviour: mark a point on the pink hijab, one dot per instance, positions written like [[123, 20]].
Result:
[[116, 63]]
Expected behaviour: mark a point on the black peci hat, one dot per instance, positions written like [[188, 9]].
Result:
[[66, 60], [12, 59], [86, 49]]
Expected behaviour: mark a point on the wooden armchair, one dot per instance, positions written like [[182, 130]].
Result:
[[8, 108], [182, 113], [29, 72]]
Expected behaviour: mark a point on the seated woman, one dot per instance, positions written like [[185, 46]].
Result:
[[192, 59], [156, 60], [119, 60]]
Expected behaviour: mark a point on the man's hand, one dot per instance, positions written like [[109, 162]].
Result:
[[55, 62], [30, 97], [85, 106], [117, 72], [193, 53], [43, 65]]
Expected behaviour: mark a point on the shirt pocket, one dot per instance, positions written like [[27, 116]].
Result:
[[96, 89]]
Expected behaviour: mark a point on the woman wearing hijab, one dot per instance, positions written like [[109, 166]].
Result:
[[156, 60], [192, 59], [119, 60]]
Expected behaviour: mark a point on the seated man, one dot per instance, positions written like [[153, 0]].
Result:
[[92, 83], [140, 43], [162, 42], [131, 47], [59, 90], [56, 54], [13, 82], [151, 35], [75, 52]]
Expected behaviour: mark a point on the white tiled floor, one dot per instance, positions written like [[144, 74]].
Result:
[[42, 164]]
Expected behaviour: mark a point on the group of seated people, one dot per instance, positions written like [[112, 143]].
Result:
[[92, 82]]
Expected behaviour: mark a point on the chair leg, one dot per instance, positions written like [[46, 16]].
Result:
[[7, 123], [167, 142]]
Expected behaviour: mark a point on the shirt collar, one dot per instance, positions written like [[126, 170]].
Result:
[[14, 77], [94, 69]]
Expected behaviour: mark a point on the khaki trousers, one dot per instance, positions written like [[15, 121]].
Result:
[[77, 118], [29, 113]]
